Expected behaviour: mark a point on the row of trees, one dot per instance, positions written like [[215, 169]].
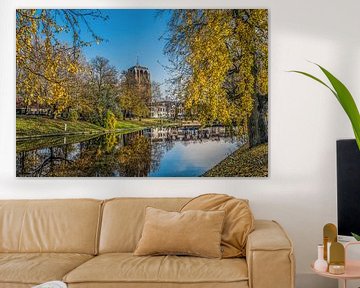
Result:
[[55, 75], [219, 63]]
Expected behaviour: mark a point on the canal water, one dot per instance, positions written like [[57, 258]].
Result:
[[156, 152]]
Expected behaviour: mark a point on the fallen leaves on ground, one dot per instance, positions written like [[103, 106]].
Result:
[[244, 162]]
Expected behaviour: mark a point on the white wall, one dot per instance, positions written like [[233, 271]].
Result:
[[305, 120]]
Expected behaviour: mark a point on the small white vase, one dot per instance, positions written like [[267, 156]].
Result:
[[320, 264]]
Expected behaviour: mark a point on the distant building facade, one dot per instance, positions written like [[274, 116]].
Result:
[[167, 109]]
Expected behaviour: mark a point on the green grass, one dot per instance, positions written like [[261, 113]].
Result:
[[27, 126], [34, 126], [133, 125], [128, 126], [244, 162]]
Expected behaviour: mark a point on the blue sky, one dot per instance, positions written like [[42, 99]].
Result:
[[130, 34]]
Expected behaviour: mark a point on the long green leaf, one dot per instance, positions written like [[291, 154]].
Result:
[[344, 97], [316, 79], [346, 101]]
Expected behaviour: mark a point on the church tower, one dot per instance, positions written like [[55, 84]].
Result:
[[141, 76]]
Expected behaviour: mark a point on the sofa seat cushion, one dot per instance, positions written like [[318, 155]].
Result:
[[36, 268], [127, 268]]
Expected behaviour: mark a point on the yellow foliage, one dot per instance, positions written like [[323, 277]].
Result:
[[222, 57], [45, 69], [210, 61]]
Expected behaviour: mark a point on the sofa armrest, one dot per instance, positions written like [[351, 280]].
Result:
[[269, 255]]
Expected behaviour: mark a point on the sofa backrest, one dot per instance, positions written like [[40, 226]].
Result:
[[67, 226], [123, 220]]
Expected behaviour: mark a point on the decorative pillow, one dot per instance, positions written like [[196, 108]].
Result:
[[196, 233], [238, 224]]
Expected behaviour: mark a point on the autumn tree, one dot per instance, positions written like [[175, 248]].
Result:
[[219, 67], [251, 68], [104, 90], [80, 104], [132, 100], [45, 66]]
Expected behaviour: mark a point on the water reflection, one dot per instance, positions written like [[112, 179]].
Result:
[[158, 152]]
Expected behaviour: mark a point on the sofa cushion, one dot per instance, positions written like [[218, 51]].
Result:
[[194, 232], [36, 268], [126, 268], [238, 223], [123, 220], [63, 226]]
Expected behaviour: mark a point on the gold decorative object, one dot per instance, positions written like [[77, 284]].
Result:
[[337, 254], [337, 258], [330, 236]]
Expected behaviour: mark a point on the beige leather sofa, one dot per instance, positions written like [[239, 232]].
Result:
[[89, 243]]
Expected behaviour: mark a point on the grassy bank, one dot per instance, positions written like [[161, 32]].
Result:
[[244, 162], [32, 126]]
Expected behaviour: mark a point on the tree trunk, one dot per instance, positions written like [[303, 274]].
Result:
[[53, 115], [258, 122]]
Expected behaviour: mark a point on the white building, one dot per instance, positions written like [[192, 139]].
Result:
[[167, 110]]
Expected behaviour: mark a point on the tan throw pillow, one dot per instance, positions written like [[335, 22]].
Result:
[[196, 233], [239, 220]]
